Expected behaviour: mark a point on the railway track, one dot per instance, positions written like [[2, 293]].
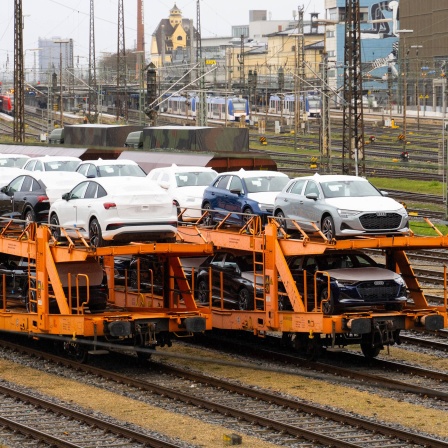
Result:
[[58, 425], [278, 419]]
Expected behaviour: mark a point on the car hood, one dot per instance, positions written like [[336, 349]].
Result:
[[249, 275], [264, 197], [362, 274], [193, 191], [365, 204]]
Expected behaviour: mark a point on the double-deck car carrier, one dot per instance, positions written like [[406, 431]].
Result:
[[57, 299], [307, 326]]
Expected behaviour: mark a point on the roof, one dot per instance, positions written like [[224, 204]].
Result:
[[252, 173], [126, 184], [102, 162], [183, 169], [47, 158], [333, 177]]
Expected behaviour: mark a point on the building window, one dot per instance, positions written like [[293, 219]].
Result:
[[330, 33], [331, 53], [179, 37]]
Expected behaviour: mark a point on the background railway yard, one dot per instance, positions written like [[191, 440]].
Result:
[[220, 390]]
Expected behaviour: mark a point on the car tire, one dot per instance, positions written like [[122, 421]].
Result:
[[327, 227], [133, 284], [328, 306], [281, 219], [202, 292], [247, 211], [55, 231], [29, 215], [178, 211], [95, 234], [208, 218], [245, 300]]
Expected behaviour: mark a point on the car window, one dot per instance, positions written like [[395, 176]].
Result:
[[30, 165], [39, 166], [205, 178], [26, 184], [82, 169], [101, 192], [61, 165], [311, 187], [35, 185], [222, 182], [91, 172], [349, 188], [362, 261], [79, 190], [165, 177], [91, 190], [236, 184], [218, 259], [16, 184], [310, 265], [297, 187]]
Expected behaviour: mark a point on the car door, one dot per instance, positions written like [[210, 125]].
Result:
[[7, 197], [309, 207], [23, 195], [234, 197], [216, 195], [289, 200], [85, 205], [67, 209]]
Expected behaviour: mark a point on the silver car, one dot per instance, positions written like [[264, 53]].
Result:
[[339, 206]]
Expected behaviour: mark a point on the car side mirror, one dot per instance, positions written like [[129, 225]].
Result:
[[4, 189], [235, 191], [66, 196], [165, 185], [313, 196], [384, 193]]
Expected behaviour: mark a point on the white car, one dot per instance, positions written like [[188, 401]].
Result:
[[13, 160], [110, 168], [107, 209], [186, 184], [52, 163]]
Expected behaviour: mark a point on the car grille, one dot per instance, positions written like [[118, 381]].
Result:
[[371, 292], [387, 221]]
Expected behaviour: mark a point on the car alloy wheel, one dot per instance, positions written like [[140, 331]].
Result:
[[95, 234], [203, 292], [208, 218], [55, 231], [245, 300], [281, 219], [327, 305], [327, 227]]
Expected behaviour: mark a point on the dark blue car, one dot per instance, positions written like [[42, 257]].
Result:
[[356, 282], [242, 193]]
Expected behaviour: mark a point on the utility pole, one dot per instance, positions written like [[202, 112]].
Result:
[[299, 60], [19, 85], [93, 94], [122, 102], [151, 90], [201, 112], [353, 122], [241, 61], [61, 100]]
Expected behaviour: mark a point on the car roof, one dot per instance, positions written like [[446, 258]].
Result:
[[48, 158], [332, 177], [13, 156], [51, 178], [181, 169], [126, 184], [102, 162], [252, 173]]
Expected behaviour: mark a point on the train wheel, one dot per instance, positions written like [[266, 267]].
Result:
[[369, 350], [78, 352]]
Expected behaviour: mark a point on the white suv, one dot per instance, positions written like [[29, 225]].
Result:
[[186, 184]]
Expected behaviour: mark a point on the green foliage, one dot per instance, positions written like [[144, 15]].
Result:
[[421, 228], [413, 186]]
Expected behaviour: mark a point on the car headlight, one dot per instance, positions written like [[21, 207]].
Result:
[[342, 283], [400, 280], [266, 207], [348, 213]]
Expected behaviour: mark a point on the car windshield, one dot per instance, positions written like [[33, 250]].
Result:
[[61, 165], [12, 162], [348, 188], [121, 170], [269, 183], [199, 178]]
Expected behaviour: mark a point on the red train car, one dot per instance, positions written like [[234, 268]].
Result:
[[7, 104]]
